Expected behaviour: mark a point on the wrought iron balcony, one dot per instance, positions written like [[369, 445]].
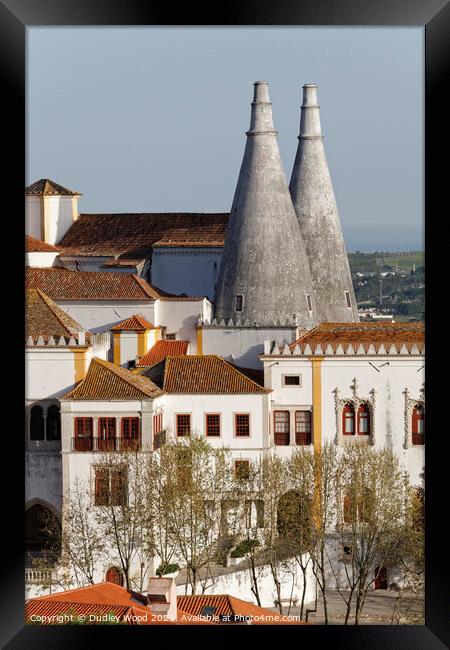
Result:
[[91, 444]]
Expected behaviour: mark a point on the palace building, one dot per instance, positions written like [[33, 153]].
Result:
[[241, 327]]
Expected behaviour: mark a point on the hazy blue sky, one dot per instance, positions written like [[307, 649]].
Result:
[[154, 119]]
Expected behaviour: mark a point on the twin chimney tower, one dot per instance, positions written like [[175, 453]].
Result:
[[284, 253]]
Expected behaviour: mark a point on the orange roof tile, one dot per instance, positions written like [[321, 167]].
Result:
[[33, 245], [161, 350], [229, 609], [132, 235], [100, 599], [202, 375], [62, 284], [135, 323], [105, 381], [363, 334], [46, 187], [44, 318]]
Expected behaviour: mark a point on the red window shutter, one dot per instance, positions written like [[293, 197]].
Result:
[[183, 424], [303, 427], [347, 510], [83, 434], [102, 491], [281, 427], [418, 425]]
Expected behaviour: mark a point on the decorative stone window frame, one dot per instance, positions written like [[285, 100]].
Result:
[[410, 403], [356, 400]]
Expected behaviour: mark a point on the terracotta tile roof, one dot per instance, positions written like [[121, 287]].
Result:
[[133, 235], [43, 318], [98, 599], [161, 350], [106, 381], [62, 284], [33, 245], [202, 375], [136, 323], [234, 609], [364, 334], [170, 243], [46, 187]]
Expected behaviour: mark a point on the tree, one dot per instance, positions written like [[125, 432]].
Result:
[[195, 486], [122, 513], [297, 512], [371, 493]]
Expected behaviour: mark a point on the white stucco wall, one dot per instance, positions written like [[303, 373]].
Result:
[[40, 260], [48, 372], [59, 212], [33, 216], [101, 315], [227, 406], [238, 584], [244, 343], [192, 271], [180, 317], [390, 427]]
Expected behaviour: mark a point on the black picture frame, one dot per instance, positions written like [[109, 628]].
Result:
[[434, 16]]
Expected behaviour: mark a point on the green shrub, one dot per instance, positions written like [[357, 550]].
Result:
[[168, 568], [244, 547]]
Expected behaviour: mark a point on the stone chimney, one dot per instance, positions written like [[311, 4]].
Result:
[[162, 597], [314, 202], [264, 274]]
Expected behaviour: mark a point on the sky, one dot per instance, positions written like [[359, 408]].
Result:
[[145, 119]]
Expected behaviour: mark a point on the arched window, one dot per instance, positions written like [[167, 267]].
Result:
[[418, 425], [348, 420], [53, 423], [114, 575], [42, 534], [363, 420], [36, 423]]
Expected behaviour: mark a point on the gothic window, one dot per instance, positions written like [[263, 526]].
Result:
[[36, 423], [53, 423], [83, 434], [348, 420], [363, 420], [418, 425], [281, 427], [302, 427]]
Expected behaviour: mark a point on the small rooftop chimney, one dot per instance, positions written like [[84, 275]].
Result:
[[162, 597]]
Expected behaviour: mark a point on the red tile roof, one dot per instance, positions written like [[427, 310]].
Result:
[[363, 334], [44, 318], [62, 284], [33, 245], [161, 350], [136, 323], [100, 599], [46, 187], [202, 375], [105, 381], [231, 609], [133, 235]]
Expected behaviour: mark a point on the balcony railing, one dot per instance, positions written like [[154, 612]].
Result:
[[105, 444]]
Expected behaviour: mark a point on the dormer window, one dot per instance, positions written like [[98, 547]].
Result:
[[348, 299], [239, 302], [309, 301]]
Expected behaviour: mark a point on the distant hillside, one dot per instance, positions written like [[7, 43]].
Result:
[[373, 262]]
